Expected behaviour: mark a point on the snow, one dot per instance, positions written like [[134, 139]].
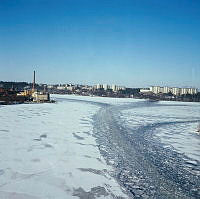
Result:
[[173, 123], [104, 100], [48, 151]]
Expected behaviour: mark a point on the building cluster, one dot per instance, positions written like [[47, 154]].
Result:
[[78, 88], [104, 90], [11, 92], [173, 90], [69, 87], [9, 96], [106, 87], [35, 95]]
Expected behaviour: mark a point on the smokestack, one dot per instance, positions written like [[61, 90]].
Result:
[[33, 80]]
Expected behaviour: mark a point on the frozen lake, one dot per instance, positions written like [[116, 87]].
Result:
[[93, 147]]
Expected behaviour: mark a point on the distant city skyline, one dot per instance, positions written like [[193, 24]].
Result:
[[124, 42]]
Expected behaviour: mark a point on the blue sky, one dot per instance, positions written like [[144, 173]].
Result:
[[134, 43]]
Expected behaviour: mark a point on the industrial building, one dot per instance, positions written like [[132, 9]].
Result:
[[34, 95], [41, 96]]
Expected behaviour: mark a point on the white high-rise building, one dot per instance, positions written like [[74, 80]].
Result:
[[155, 89], [99, 86], [174, 90], [106, 86], [114, 87], [166, 89], [183, 91], [191, 91]]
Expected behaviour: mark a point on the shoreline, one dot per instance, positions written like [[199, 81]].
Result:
[[142, 98], [26, 102], [150, 99]]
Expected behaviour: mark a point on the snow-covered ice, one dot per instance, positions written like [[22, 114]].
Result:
[[174, 123], [95, 147], [48, 151]]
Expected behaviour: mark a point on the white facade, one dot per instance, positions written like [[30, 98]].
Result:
[[70, 88], [40, 97], [145, 90], [174, 90], [191, 91], [166, 89], [155, 89], [50, 86], [106, 86], [99, 86], [117, 88], [114, 87], [61, 87]]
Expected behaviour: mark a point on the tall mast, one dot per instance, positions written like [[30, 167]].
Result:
[[33, 81]]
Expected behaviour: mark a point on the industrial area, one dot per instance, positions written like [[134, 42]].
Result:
[[28, 95]]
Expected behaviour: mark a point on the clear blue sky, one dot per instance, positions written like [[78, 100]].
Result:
[[126, 42]]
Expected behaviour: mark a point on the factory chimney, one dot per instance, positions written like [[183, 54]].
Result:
[[33, 81]]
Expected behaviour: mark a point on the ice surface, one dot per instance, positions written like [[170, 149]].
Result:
[[104, 100], [174, 123], [48, 151]]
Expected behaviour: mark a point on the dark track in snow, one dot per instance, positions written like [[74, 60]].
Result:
[[143, 165]]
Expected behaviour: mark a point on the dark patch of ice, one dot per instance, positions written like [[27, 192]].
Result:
[[48, 145], [43, 136], [37, 139], [191, 162], [3, 130], [35, 160], [78, 137], [95, 192], [2, 171], [87, 156], [99, 159], [87, 133], [95, 171], [86, 144]]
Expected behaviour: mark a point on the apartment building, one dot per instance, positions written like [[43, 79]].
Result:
[[173, 90]]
